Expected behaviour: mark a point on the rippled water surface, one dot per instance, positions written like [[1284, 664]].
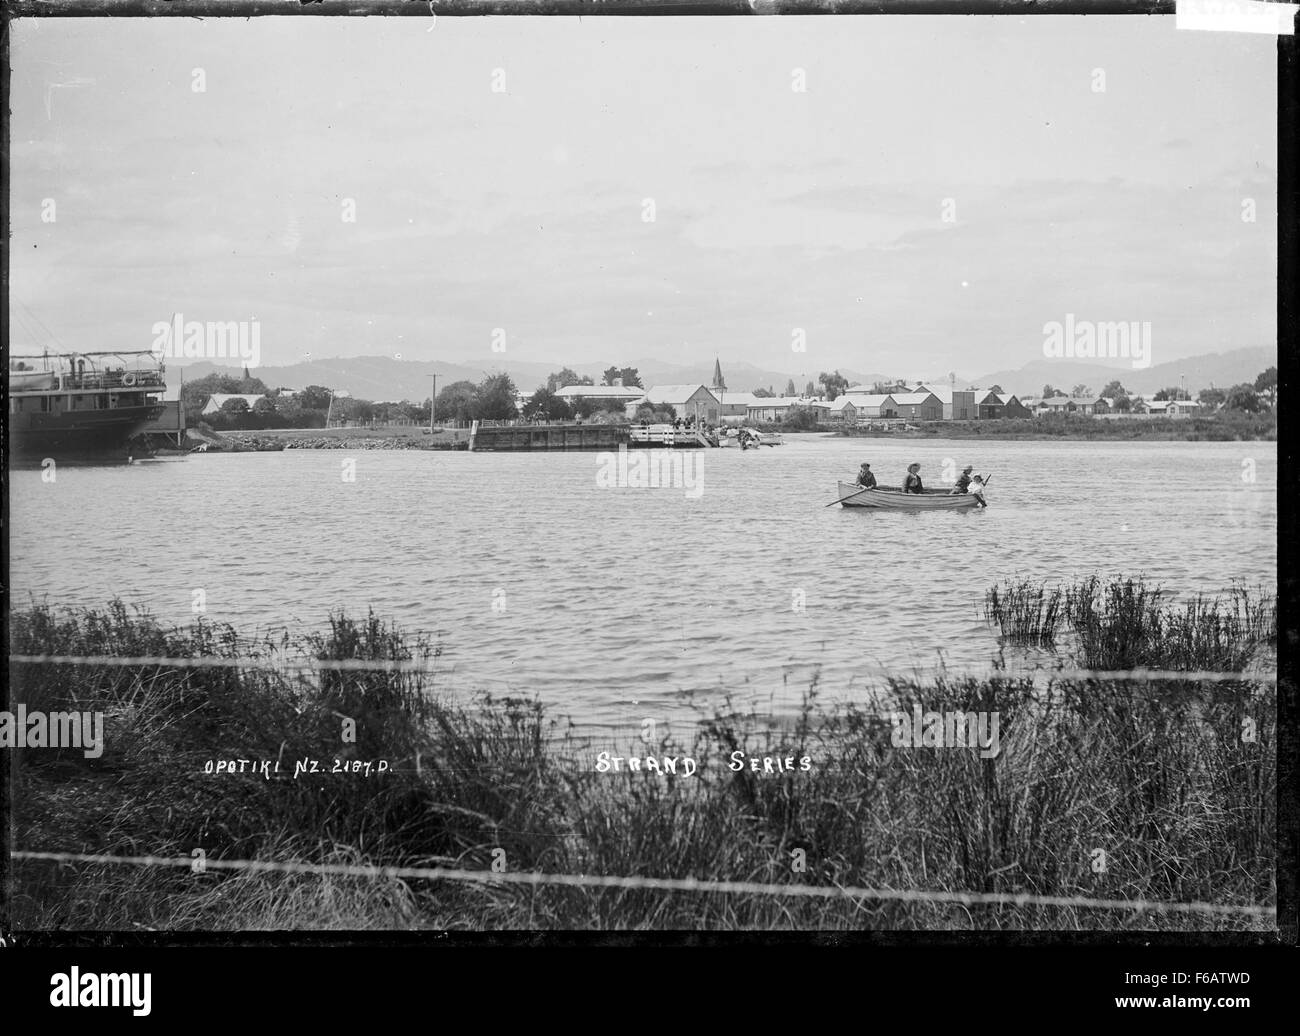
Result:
[[609, 601]]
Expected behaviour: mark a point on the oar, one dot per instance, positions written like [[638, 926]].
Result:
[[864, 489]]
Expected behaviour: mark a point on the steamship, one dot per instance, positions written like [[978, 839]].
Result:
[[91, 403]]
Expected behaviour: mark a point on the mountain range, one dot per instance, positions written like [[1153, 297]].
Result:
[[385, 378]]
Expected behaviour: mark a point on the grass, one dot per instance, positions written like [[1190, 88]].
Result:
[[1026, 611], [1220, 427], [1128, 624], [1161, 782]]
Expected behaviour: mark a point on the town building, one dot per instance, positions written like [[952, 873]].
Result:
[[733, 407], [918, 406], [1012, 406], [875, 406], [775, 408], [958, 404], [687, 400], [600, 392]]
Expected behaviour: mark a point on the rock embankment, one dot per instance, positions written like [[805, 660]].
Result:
[[243, 442]]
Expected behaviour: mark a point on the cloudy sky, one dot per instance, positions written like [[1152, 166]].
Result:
[[774, 209]]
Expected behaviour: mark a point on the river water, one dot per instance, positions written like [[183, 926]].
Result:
[[611, 603]]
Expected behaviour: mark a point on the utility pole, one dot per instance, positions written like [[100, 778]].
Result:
[[432, 397]]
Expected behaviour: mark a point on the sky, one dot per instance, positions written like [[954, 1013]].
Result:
[[501, 172]]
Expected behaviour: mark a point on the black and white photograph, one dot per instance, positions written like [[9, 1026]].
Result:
[[503, 468]]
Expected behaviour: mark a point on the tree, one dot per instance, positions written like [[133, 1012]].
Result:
[[790, 390], [1081, 390], [235, 406], [1242, 397], [656, 413], [586, 407], [1122, 403], [565, 378], [800, 418], [457, 402], [1114, 388], [1170, 393], [195, 394], [810, 390], [1049, 391], [358, 411], [610, 375], [496, 398], [545, 405], [314, 397], [265, 405], [1211, 397], [762, 393], [631, 377], [997, 389], [1267, 382], [834, 384]]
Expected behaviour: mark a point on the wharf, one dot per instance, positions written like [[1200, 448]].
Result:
[[520, 436]]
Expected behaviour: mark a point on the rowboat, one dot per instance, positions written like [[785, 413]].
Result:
[[892, 498]]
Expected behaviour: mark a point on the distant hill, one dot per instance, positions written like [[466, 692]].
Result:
[[382, 377], [1220, 369], [370, 377]]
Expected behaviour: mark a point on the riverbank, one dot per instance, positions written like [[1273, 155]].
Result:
[[272, 440], [1215, 428], [1096, 789]]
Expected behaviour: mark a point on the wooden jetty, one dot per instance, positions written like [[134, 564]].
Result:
[[526, 435], [516, 436]]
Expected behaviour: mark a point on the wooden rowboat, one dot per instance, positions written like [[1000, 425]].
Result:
[[892, 498]]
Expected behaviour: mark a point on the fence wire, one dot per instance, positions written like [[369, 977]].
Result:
[[421, 666], [604, 881]]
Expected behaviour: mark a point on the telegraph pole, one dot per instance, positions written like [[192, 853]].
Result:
[[432, 397]]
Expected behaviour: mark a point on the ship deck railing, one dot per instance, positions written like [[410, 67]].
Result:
[[114, 380]]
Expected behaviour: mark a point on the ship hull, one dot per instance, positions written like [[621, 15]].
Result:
[[88, 433]]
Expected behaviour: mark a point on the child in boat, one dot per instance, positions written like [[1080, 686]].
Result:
[[865, 478], [977, 489], [912, 484]]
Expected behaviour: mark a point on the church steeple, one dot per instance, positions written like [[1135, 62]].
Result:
[[718, 383]]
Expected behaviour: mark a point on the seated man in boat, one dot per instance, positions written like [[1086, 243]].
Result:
[[912, 484], [865, 478], [963, 481]]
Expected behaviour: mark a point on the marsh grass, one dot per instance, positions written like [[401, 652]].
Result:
[[1127, 624], [1025, 611], [1161, 781]]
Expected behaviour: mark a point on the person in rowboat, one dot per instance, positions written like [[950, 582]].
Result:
[[977, 490], [963, 481], [865, 478], [912, 484]]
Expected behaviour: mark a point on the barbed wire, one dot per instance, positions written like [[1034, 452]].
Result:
[[420, 666], [540, 878]]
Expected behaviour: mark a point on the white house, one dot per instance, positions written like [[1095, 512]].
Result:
[[627, 395], [216, 400]]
